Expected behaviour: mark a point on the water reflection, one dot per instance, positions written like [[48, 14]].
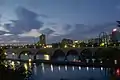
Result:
[[51, 72], [59, 68], [65, 68], [79, 68], [51, 67]]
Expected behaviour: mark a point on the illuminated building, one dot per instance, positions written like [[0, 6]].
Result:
[[42, 39], [67, 42], [115, 35], [95, 40], [75, 42]]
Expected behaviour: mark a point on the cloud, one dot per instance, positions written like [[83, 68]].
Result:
[[7, 34], [2, 2], [27, 27], [83, 32], [43, 15], [61, 29], [32, 33], [15, 39], [47, 31], [27, 20], [3, 30], [107, 27]]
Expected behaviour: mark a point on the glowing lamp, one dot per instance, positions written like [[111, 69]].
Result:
[[114, 30]]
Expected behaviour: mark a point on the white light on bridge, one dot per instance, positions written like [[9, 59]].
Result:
[[93, 68], [46, 57], [30, 60], [101, 62], [87, 60], [13, 54], [92, 45], [49, 46], [93, 60], [115, 61], [26, 54]]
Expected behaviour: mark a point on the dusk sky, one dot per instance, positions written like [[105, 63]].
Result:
[[24, 20]]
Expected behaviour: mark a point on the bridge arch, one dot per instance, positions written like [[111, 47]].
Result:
[[72, 55], [108, 55], [86, 53], [26, 54], [58, 55], [98, 53], [42, 54]]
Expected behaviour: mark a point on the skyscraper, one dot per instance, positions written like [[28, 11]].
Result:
[[42, 39], [115, 35]]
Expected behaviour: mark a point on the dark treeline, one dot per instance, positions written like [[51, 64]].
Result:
[[6, 73], [9, 74]]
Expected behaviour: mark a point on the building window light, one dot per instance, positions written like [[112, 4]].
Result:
[[73, 45], [76, 41]]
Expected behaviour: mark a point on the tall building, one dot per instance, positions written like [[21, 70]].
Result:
[[115, 35], [42, 39]]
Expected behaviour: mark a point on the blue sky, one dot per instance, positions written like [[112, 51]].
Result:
[[25, 20]]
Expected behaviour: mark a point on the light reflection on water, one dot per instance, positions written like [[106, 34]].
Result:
[[51, 72]]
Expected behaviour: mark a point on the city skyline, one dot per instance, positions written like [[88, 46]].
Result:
[[25, 20]]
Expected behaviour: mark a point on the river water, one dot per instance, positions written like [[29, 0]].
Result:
[[50, 72]]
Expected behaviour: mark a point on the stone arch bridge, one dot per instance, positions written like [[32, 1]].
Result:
[[78, 53]]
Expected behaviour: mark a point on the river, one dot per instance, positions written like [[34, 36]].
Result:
[[50, 72]]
